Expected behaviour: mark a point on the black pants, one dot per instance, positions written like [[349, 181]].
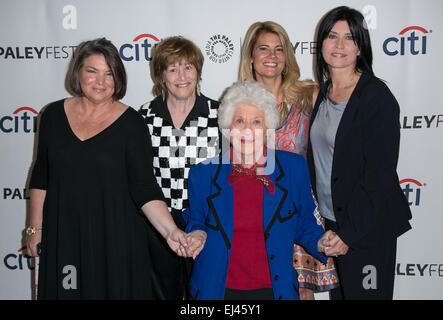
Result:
[[170, 272], [257, 294], [365, 274]]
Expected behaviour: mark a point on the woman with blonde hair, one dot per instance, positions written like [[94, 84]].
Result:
[[283, 80], [268, 57]]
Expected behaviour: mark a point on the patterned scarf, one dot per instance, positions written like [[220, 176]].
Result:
[[239, 172]]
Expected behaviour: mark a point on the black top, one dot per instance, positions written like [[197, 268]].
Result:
[[94, 240]]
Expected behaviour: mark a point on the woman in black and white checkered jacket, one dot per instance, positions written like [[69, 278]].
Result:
[[184, 131]]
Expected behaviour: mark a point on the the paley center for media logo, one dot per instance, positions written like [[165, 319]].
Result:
[[219, 48]]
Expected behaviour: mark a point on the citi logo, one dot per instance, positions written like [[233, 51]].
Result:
[[415, 43], [412, 190], [23, 119], [18, 261], [139, 49]]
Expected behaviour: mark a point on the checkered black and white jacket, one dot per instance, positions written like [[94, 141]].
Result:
[[175, 151]]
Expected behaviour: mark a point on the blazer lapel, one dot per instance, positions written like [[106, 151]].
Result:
[[349, 116], [221, 201], [272, 202]]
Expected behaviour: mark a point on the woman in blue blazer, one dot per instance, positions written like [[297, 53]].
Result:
[[352, 157], [248, 206]]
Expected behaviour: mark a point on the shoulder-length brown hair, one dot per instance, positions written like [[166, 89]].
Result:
[[169, 51], [295, 91], [112, 57]]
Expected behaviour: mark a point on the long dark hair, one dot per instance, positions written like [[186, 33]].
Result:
[[360, 34]]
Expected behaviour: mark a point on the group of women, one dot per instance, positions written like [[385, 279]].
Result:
[[192, 198]]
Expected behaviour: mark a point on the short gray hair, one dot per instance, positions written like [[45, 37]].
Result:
[[248, 92]]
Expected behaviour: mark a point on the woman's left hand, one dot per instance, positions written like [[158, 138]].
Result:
[[196, 240], [323, 243], [336, 246], [177, 242]]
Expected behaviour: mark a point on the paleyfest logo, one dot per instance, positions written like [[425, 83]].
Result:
[[411, 40], [139, 49], [422, 121]]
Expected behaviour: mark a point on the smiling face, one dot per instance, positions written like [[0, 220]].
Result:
[[248, 132], [268, 56], [96, 79], [339, 49], [181, 80]]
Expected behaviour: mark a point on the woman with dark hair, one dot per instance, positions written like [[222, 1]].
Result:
[[183, 127], [352, 157], [89, 184]]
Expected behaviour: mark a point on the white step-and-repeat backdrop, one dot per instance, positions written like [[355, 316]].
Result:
[[37, 40]]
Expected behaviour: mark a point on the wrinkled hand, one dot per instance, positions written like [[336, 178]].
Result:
[[177, 242], [336, 246], [196, 241], [323, 243], [31, 244]]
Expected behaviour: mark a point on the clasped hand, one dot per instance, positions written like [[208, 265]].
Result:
[[186, 244], [191, 244], [331, 244]]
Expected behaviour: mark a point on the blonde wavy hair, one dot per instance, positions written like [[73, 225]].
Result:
[[295, 91]]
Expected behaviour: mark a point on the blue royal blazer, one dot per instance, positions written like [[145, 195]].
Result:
[[287, 218]]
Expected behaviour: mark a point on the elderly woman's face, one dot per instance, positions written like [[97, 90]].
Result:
[[181, 80], [248, 130], [96, 79]]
